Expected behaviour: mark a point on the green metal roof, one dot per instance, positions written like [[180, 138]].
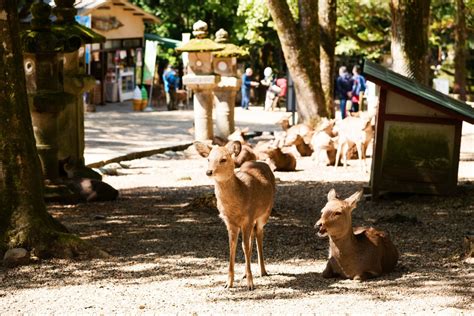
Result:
[[383, 76], [164, 41]]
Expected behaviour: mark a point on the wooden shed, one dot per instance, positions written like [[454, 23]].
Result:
[[417, 135]]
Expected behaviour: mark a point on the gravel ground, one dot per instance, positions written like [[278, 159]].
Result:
[[169, 250]]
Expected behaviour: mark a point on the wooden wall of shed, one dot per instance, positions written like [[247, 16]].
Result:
[[401, 105]]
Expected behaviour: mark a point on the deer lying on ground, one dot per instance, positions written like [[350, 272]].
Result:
[[302, 149], [323, 145], [246, 154], [244, 200], [301, 129], [277, 160], [356, 253], [323, 142], [353, 130]]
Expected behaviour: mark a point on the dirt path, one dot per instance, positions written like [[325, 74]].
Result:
[[168, 257]]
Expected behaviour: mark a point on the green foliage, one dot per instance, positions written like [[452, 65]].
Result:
[[178, 16], [363, 27]]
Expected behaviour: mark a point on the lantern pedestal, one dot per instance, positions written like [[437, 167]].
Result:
[[225, 93], [202, 85]]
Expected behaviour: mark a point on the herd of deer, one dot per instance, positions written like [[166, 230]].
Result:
[[245, 196]]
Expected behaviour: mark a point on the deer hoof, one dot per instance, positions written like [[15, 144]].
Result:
[[264, 274], [359, 278]]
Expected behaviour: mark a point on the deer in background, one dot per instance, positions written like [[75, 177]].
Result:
[[356, 253], [353, 130], [244, 200]]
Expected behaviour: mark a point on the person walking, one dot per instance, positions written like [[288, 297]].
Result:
[[358, 89], [170, 80], [247, 83], [343, 89]]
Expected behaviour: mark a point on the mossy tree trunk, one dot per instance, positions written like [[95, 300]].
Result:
[[460, 52], [327, 23], [24, 220], [300, 45], [409, 38]]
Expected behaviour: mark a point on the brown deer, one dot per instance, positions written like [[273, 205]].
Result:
[[244, 200], [246, 154], [277, 160], [302, 129], [356, 253], [323, 145], [354, 130], [296, 140]]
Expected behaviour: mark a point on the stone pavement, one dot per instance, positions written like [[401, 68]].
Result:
[[116, 130]]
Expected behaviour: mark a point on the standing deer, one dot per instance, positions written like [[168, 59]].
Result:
[[356, 253], [244, 200], [354, 130]]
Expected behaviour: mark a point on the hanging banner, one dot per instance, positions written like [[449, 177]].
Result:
[[150, 60]]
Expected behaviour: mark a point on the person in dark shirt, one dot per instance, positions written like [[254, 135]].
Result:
[[247, 83], [343, 89], [358, 89], [170, 80]]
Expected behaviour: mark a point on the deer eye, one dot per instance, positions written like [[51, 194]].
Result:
[[222, 160], [337, 213]]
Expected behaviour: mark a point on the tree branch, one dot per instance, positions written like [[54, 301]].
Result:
[[362, 42]]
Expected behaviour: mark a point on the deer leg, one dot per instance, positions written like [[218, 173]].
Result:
[[252, 234], [233, 232], [328, 272], [345, 149], [359, 153], [261, 262], [246, 232], [338, 154]]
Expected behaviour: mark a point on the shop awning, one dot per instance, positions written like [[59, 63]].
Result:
[[164, 41]]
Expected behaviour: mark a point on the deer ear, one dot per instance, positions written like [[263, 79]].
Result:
[[236, 148], [332, 195], [202, 149], [354, 198]]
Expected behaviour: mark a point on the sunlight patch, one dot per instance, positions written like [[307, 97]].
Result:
[[139, 267]]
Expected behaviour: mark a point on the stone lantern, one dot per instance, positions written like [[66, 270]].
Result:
[[201, 79], [225, 65], [76, 82], [44, 82]]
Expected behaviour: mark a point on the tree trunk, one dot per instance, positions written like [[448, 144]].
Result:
[[409, 45], [327, 23], [300, 45], [24, 221], [460, 53]]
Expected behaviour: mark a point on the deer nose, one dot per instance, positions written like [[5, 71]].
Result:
[[209, 173], [318, 225]]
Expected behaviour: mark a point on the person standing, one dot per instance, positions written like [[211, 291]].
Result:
[[358, 89], [272, 89], [170, 80], [247, 83], [343, 89]]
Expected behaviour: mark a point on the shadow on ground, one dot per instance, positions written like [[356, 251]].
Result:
[[152, 233]]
